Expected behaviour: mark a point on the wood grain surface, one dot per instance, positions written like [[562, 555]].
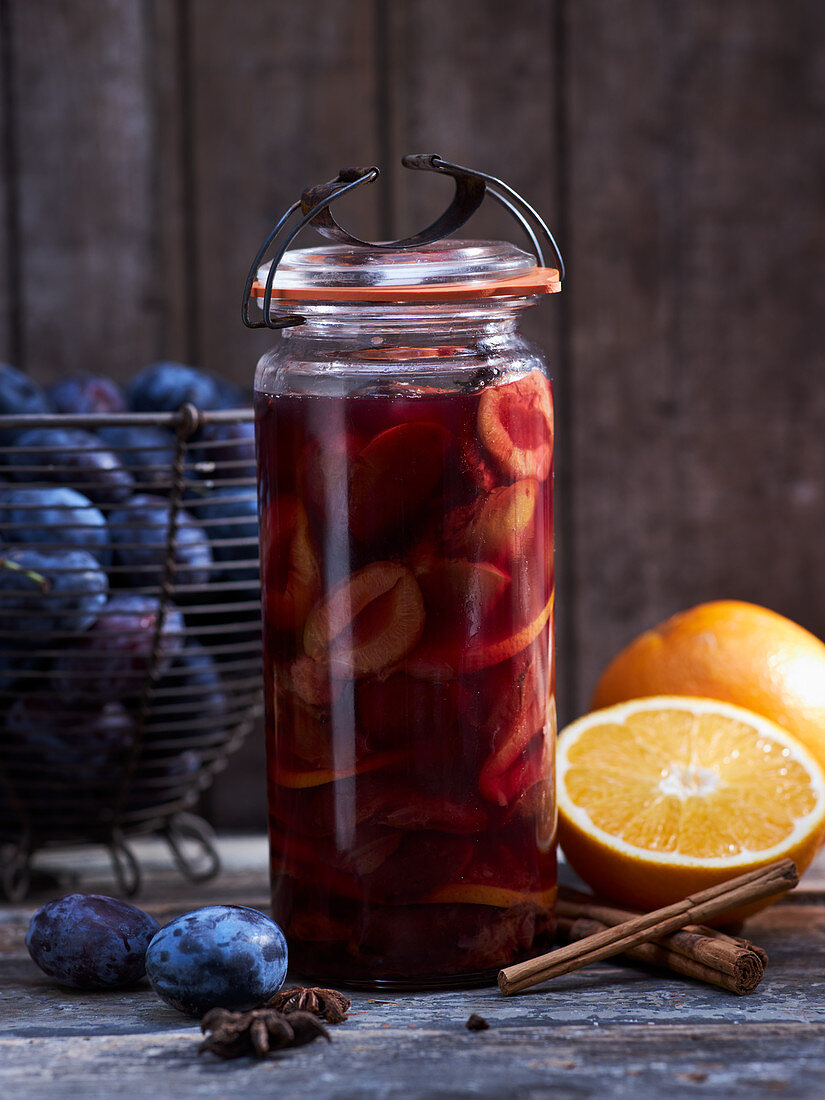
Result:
[[610, 1030], [678, 150]]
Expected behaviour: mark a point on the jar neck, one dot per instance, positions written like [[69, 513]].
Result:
[[484, 321]]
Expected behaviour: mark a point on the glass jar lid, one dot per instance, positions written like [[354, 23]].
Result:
[[449, 269]]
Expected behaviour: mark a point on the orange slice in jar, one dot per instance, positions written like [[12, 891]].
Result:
[[483, 656], [460, 597], [500, 897], [318, 777], [369, 621], [515, 425]]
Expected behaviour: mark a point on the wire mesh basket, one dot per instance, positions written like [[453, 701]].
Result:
[[130, 656]]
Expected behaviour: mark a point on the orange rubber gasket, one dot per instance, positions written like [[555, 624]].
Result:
[[543, 280]]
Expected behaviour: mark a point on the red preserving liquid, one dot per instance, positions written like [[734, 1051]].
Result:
[[407, 570]]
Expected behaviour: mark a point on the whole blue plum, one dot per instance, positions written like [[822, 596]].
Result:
[[88, 941], [112, 660], [71, 456], [226, 450], [70, 595], [138, 535], [165, 386], [230, 516], [53, 517], [147, 451], [232, 396], [222, 956], [19, 395], [86, 393]]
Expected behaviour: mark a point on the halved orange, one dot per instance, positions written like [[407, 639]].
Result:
[[663, 796]]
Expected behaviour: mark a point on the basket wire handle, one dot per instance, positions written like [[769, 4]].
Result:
[[470, 188], [192, 844]]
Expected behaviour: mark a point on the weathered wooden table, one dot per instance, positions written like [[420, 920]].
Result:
[[610, 1030]]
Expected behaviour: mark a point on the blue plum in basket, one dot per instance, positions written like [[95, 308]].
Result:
[[76, 743], [19, 395], [15, 663], [192, 687], [111, 660], [222, 956], [56, 518], [148, 452], [165, 386], [85, 393], [70, 596], [231, 395], [226, 450], [71, 456], [165, 780], [88, 941], [138, 534], [230, 516]]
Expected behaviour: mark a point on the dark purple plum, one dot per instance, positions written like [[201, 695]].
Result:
[[88, 941], [221, 956], [226, 451], [165, 386], [65, 762], [80, 744], [138, 535], [70, 596], [167, 778], [86, 393], [71, 456], [111, 661], [19, 395], [147, 451], [53, 518], [192, 687], [16, 665]]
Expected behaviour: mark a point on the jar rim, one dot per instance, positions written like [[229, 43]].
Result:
[[443, 271]]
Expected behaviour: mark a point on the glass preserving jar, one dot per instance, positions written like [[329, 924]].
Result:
[[405, 436]]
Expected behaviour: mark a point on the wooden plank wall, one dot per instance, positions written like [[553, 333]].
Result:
[[678, 149]]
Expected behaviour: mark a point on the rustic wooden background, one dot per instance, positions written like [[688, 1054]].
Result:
[[678, 149]]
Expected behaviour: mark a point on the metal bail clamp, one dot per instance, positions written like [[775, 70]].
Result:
[[314, 205]]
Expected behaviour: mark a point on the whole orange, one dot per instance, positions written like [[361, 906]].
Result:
[[737, 652]]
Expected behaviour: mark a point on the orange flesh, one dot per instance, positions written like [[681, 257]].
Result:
[[701, 785]]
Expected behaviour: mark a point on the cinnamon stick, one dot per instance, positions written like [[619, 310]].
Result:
[[695, 941], [736, 969], [765, 882]]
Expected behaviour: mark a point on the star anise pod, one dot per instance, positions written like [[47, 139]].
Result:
[[234, 1034], [329, 1004]]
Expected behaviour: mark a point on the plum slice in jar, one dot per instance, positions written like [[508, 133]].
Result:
[[515, 425], [292, 577], [395, 476], [368, 622]]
